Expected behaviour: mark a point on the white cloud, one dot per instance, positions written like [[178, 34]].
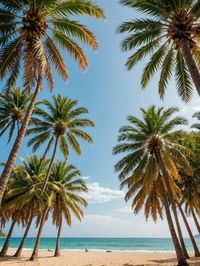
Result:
[[126, 209], [191, 108], [99, 225], [134, 226], [107, 220], [85, 177], [99, 194]]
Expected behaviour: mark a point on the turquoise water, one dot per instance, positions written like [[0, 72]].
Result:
[[123, 244]]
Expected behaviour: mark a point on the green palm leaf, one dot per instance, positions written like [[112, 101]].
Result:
[[183, 79]]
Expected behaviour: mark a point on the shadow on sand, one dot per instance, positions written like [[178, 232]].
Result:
[[171, 262], [193, 261], [20, 260]]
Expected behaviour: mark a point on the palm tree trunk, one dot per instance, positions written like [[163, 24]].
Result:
[[5, 247], [195, 220], [180, 256], [183, 246], [174, 208], [171, 197], [47, 149], [194, 72], [195, 247], [50, 165], [57, 250], [18, 142], [37, 242], [182, 251], [166, 178], [19, 250]]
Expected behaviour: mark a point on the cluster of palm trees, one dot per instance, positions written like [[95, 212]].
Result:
[[160, 170], [40, 185], [161, 163], [23, 203], [34, 37]]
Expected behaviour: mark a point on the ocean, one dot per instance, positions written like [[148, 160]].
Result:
[[103, 244]]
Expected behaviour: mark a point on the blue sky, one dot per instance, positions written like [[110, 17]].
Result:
[[110, 93]]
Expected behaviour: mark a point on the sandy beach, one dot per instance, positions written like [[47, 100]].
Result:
[[96, 259]]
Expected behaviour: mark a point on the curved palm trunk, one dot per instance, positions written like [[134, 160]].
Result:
[[171, 197], [18, 142], [37, 242], [195, 220], [182, 252], [194, 72], [174, 208], [183, 246], [50, 165], [5, 247], [57, 250], [165, 174], [195, 247], [46, 150], [19, 250], [180, 256]]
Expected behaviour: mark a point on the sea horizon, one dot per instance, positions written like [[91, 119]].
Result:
[[126, 244]]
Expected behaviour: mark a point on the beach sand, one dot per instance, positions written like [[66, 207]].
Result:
[[96, 259]]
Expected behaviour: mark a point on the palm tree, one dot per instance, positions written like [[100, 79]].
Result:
[[189, 185], [12, 214], [153, 151], [191, 195], [146, 194], [35, 169], [194, 244], [49, 201], [15, 217], [5, 247], [195, 220], [12, 108], [193, 202], [31, 36], [169, 34], [60, 126], [64, 180], [61, 195], [24, 192]]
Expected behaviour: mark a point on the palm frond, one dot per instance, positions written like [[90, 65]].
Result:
[[54, 56], [75, 29], [153, 65], [79, 7], [166, 72], [72, 47], [141, 53], [183, 79]]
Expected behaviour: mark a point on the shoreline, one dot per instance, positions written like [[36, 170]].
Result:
[[116, 245], [101, 250], [94, 258]]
